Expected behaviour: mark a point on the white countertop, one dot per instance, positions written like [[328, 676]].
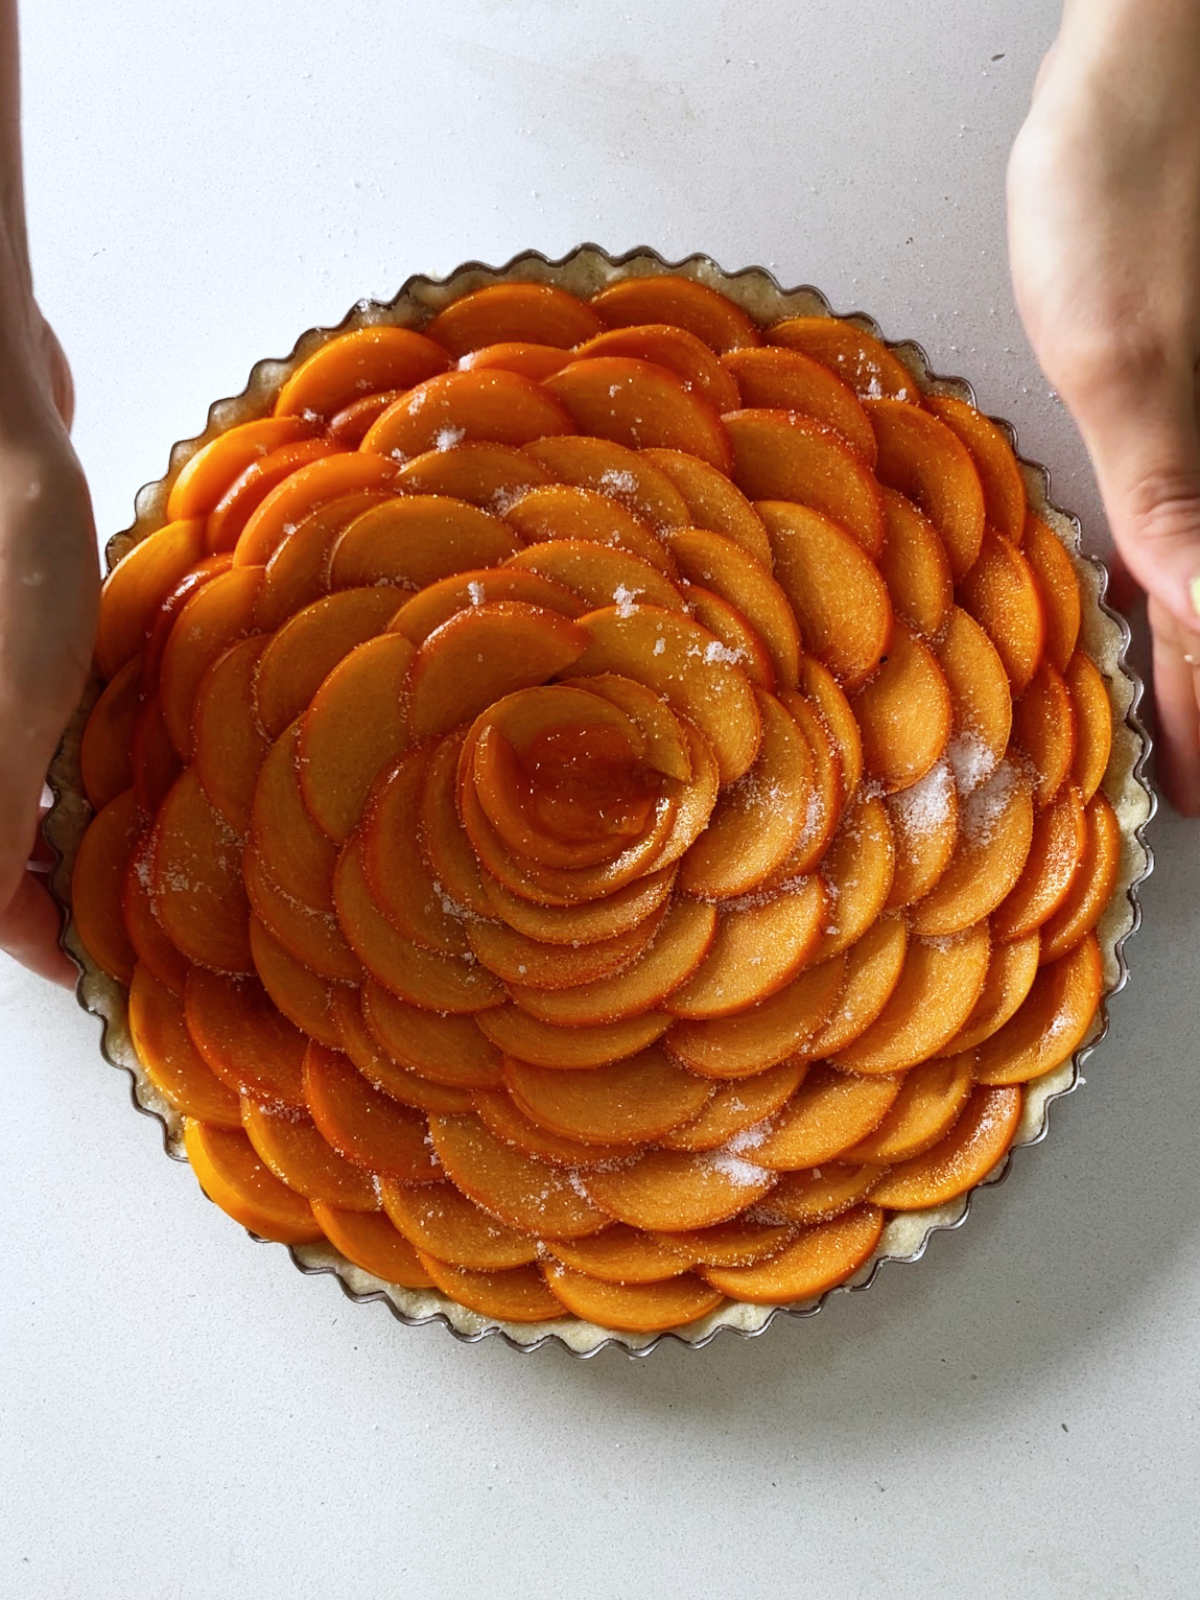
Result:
[[182, 1414]]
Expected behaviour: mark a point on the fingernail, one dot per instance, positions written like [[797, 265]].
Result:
[[1194, 592]]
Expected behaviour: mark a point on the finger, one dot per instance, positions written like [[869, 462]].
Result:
[[29, 931], [1176, 654]]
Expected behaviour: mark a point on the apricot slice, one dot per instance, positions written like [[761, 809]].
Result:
[[1002, 596], [506, 311], [922, 458], [821, 1193], [820, 1258], [713, 502], [859, 359], [301, 995], [293, 850], [939, 985], [403, 1084], [1093, 723], [229, 1171], [490, 476], [481, 654], [823, 806], [778, 455], [595, 573], [170, 1059], [414, 540], [559, 512], [733, 1107], [208, 473], [297, 573], [774, 378], [1059, 840], [1044, 728], [515, 958], [247, 492], [627, 1101], [757, 820], [196, 880], [638, 1307], [834, 590], [352, 364], [290, 1144], [667, 744], [930, 1100], [689, 670], [747, 1043], [757, 950], [214, 617], [639, 404], [503, 1117], [976, 1142], [104, 755], [446, 1049], [228, 747], [397, 876], [438, 1219], [904, 712], [310, 936], [243, 1038], [517, 1296], [623, 1255], [486, 405], [362, 1124], [544, 1045], [675, 349], [154, 950], [1052, 1022], [626, 476], [309, 645], [924, 819], [97, 884], [1011, 971], [873, 967], [1093, 884], [857, 872], [819, 685], [980, 698], [738, 1243], [1003, 486], [536, 361], [285, 506], [438, 602], [447, 848], [584, 924], [1054, 573], [727, 624], [354, 728], [724, 567], [519, 1189], [152, 755], [369, 1240], [670, 1191], [137, 586], [350, 426], [828, 1114], [995, 837], [682, 303], [914, 566]]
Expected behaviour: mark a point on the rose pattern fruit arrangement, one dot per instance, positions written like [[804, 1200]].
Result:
[[598, 802]]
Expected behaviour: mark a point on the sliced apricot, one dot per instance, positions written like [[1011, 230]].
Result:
[[350, 426], [196, 880], [154, 950], [505, 311], [594, 572], [729, 626], [939, 985], [757, 950], [996, 826], [873, 968], [301, 995], [401, 1082], [1011, 971], [362, 1124], [310, 936], [669, 1191], [354, 363], [818, 1260], [980, 698], [779, 455], [152, 755], [446, 1049], [438, 1219], [228, 1169], [291, 1145], [500, 1114], [924, 819], [922, 458], [449, 852], [170, 1059], [859, 359], [517, 1296], [98, 881], [1052, 1022], [227, 519], [369, 1240], [820, 1193], [293, 850], [558, 512], [733, 1107], [857, 872], [297, 573], [396, 873], [961, 1159], [544, 1045], [286, 505], [1093, 723], [243, 1038], [904, 712], [626, 476], [1003, 485], [819, 685], [585, 924], [106, 765], [680, 352], [681, 302], [637, 1307], [628, 1101], [749, 1042], [531, 360], [490, 476], [639, 404], [228, 746], [1093, 885], [723, 566], [667, 744], [623, 1255], [309, 645], [713, 502], [931, 1097], [413, 540], [778, 379], [828, 1114], [741, 1242], [1059, 840], [823, 807], [1000, 593], [516, 958], [137, 586], [914, 565], [1044, 728], [1054, 573], [519, 1189], [208, 473], [485, 405], [214, 617], [438, 602], [834, 590]]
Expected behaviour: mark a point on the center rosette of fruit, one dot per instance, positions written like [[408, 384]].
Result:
[[597, 803]]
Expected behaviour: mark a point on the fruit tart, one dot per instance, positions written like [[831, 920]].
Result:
[[608, 803]]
